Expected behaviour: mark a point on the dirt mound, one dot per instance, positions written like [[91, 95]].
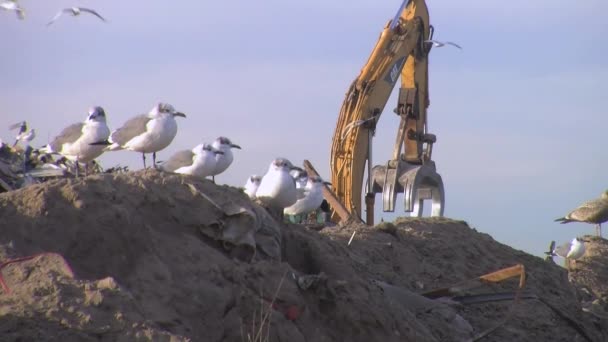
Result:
[[590, 274], [153, 256]]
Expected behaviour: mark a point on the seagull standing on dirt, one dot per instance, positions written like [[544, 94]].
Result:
[[24, 135], [225, 159], [439, 44], [146, 133], [594, 211], [199, 162], [12, 5], [311, 199], [301, 178], [572, 250], [277, 188], [74, 141], [252, 185], [75, 11]]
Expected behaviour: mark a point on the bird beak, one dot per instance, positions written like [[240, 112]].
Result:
[[235, 146], [179, 114], [327, 183], [218, 152]]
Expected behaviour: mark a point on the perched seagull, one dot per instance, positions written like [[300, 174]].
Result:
[[11, 5], [594, 211], [439, 44], [572, 250], [301, 178], [200, 161], [74, 11], [74, 142], [252, 185], [312, 199], [277, 188], [146, 133], [223, 160], [23, 134]]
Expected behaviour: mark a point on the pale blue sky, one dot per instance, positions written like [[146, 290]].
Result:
[[519, 113]]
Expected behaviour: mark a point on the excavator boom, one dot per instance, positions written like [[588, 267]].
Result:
[[402, 51]]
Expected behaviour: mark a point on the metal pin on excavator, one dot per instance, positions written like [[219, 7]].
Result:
[[402, 50]]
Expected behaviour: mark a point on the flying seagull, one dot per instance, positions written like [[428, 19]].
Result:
[[439, 44], [74, 11], [593, 211], [146, 133], [24, 134], [11, 5]]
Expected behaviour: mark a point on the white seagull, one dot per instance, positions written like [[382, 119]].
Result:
[[312, 199], [11, 5], [439, 44], [146, 133], [252, 185], [223, 160], [75, 11], [277, 188], [24, 134], [572, 250], [199, 162], [74, 142]]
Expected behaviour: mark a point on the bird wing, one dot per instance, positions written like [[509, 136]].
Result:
[[88, 10], [57, 16], [563, 250], [68, 135], [435, 42], [21, 125], [177, 160], [454, 44], [132, 128], [594, 211]]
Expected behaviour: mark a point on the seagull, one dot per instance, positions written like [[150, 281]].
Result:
[[74, 11], [24, 134], [146, 133], [301, 178], [223, 160], [200, 161], [251, 186], [277, 188], [593, 211], [312, 199], [11, 5], [439, 44], [573, 250], [74, 142]]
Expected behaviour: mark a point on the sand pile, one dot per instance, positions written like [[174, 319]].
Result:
[[152, 256]]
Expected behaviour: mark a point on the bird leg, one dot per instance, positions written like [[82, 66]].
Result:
[[213, 179], [143, 156], [598, 229], [154, 160], [77, 167], [86, 169]]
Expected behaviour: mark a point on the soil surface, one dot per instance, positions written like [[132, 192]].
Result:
[[150, 256]]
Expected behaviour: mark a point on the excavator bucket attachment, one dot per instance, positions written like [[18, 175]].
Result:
[[417, 183]]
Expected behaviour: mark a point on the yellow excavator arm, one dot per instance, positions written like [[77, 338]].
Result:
[[402, 50]]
